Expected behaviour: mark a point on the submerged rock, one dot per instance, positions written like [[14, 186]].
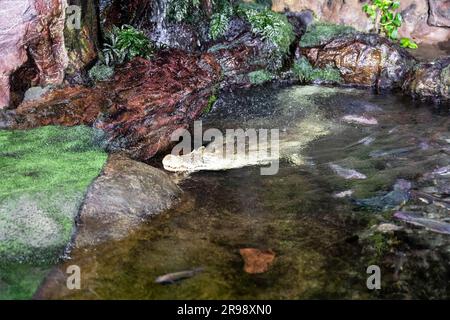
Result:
[[400, 195], [127, 193], [364, 60]]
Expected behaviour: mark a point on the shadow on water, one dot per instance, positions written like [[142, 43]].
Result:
[[322, 245]]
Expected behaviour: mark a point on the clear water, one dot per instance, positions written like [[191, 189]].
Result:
[[323, 245]]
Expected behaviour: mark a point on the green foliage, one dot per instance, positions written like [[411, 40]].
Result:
[[220, 20], [179, 10], [307, 73], [124, 44], [387, 20], [408, 43], [272, 26], [101, 72], [260, 76], [320, 33], [212, 99]]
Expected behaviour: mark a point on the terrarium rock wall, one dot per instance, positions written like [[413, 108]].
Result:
[[37, 49], [425, 21]]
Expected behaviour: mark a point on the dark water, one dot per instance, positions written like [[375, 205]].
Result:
[[322, 245]]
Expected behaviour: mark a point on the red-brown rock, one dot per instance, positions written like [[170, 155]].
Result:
[[33, 33], [364, 60], [139, 110]]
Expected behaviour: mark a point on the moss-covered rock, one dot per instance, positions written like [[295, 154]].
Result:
[[45, 175], [322, 32]]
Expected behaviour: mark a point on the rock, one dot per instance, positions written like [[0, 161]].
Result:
[[240, 52], [82, 44], [439, 13], [31, 46], [399, 196], [257, 261], [139, 109], [119, 200], [430, 81], [35, 93], [45, 174], [364, 60], [424, 21]]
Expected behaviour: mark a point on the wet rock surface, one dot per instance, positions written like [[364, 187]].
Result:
[[138, 110], [364, 59], [125, 194], [430, 81]]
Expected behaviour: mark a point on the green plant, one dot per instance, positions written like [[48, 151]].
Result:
[[260, 76], [125, 43], [179, 10], [307, 73], [220, 20], [272, 26], [408, 43], [387, 20], [101, 72]]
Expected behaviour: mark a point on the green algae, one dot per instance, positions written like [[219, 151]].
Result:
[[45, 174]]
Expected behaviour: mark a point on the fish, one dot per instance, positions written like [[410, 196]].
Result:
[[364, 141], [444, 171], [348, 174], [392, 152], [171, 278], [428, 199], [360, 120], [429, 224], [343, 194]]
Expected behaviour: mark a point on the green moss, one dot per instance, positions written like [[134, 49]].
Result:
[[45, 175], [320, 33], [307, 73], [260, 76]]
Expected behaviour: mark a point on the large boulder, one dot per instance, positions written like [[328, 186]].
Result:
[[439, 13], [363, 60], [430, 81], [138, 110], [127, 193], [424, 21], [38, 49], [240, 52], [31, 46]]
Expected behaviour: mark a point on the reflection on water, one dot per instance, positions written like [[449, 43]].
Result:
[[322, 244]]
